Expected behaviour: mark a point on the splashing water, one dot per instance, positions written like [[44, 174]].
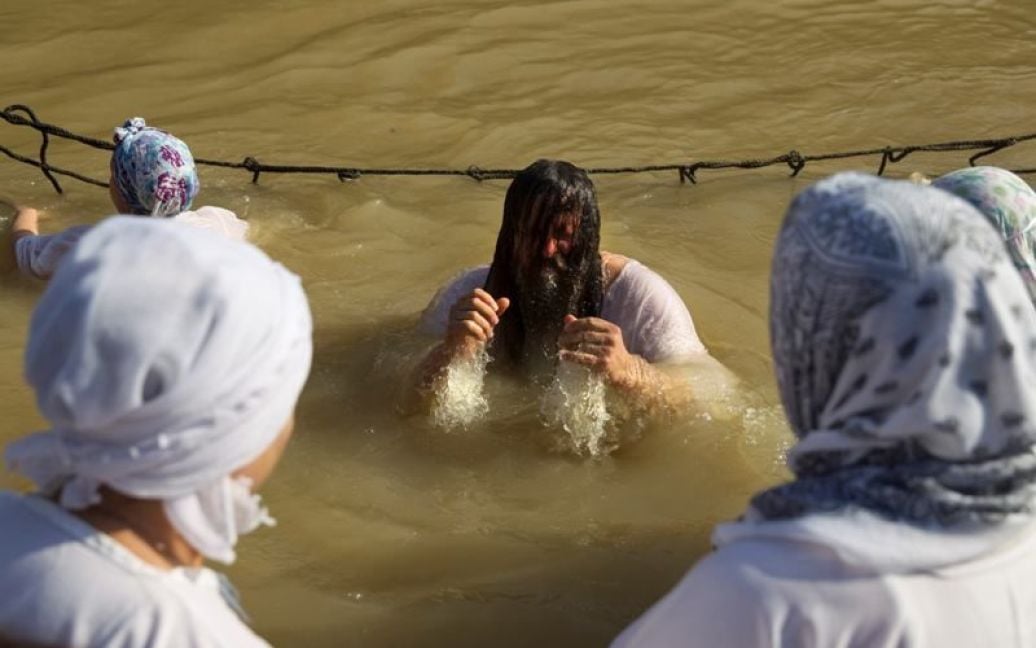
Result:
[[460, 399], [575, 401]]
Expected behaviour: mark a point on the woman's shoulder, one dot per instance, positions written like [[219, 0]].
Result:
[[760, 592], [216, 219], [94, 588], [717, 603]]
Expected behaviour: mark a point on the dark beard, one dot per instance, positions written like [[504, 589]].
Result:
[[546, 296]]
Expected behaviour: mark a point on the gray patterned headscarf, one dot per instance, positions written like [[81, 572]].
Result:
[[905, 353]]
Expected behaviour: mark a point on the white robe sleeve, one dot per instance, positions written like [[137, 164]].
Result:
[[39, 255]]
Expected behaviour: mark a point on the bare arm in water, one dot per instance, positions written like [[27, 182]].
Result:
[[597, 343], [26, 223], [473, 319]]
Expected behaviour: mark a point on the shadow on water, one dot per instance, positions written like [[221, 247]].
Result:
[[529, 592]]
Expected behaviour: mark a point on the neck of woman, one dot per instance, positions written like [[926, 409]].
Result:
[[141, 526]]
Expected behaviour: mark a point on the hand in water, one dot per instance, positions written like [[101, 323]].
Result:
[[473, 318], [597, 343]]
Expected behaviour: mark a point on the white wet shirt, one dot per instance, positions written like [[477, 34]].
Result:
[[38, 256], [63, 583], [655, 322], [850, 582]]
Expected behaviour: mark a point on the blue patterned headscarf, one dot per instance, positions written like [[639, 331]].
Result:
[[905, 351], [153, 171]]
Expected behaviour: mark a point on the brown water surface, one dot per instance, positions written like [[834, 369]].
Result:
[[393, 533]]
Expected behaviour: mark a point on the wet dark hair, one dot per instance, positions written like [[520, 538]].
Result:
[[537, 200]]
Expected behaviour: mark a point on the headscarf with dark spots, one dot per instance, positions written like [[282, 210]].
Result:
[[905, 351], [545, 199]]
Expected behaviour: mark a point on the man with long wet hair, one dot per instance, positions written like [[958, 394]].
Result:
[[551, 293]]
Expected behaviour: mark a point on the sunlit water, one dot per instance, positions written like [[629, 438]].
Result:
[[395, 530]]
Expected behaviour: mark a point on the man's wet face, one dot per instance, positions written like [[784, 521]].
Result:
[[552, 251], [549, 285]]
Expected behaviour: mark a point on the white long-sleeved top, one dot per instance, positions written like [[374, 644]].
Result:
[[655, 322], [63, 583], [39, 255]]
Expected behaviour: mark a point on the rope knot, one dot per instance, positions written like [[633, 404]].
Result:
[[796, 162], [253, 165], [475, 173], [687, 173]]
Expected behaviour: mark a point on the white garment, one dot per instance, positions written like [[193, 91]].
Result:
[[66, 584], [38, 256], [850, 580], [216, 219], [655, 323]]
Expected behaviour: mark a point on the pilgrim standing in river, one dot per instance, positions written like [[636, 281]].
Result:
[[152, 174], [551, 294]]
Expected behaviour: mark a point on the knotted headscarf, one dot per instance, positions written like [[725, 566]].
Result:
[[905, 351], [153, 171], [1009, 203], [164, 358]]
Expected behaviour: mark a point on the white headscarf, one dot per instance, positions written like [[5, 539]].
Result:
[[905, 352], [164, 358]]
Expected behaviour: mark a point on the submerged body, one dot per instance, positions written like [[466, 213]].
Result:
[[552, 298]]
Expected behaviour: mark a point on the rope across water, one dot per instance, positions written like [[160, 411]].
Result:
[[793, 159]]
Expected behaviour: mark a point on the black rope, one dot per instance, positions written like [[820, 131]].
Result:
[[793, 159], [43, 144]]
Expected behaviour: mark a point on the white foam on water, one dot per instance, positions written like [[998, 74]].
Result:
[[575, 402], [460, 399]]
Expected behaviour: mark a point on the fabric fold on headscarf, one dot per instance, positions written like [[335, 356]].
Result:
[[152, 171], [212, 518], [904, 348], [1009, 203], [164, 359]]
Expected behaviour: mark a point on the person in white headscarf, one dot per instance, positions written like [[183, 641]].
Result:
[[152, 174], [904, 348], [167, 363]]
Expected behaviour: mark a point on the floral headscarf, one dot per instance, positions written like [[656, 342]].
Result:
[[152, 170], [905, 351], [1009, 203]]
